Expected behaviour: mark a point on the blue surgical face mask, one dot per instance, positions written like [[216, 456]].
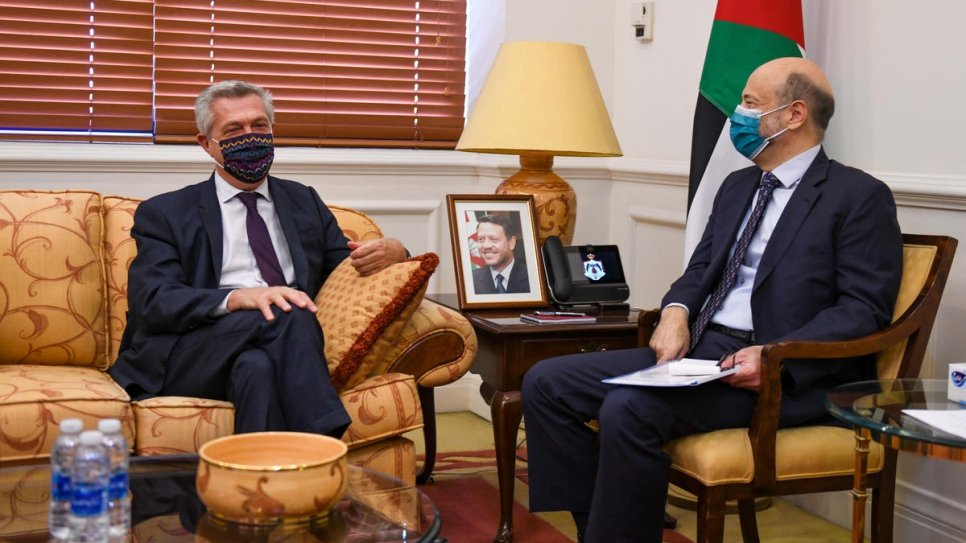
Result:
[[745, 126]]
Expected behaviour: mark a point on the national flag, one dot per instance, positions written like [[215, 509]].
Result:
[[745, 34], [476, 261]]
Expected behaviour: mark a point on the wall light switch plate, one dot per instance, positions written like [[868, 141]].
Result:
[[642, 19]]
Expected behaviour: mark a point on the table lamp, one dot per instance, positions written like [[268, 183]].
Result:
[[541, 100]]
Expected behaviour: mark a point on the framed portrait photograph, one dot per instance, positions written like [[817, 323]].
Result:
[[495, 248]]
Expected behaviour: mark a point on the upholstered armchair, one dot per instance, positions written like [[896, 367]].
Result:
[[64, 257], [763, 460]]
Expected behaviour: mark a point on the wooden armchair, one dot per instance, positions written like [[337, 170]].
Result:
[[762, 460]]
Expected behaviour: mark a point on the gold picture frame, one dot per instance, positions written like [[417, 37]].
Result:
[[486, 230]]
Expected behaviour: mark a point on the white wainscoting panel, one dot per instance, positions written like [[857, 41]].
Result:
[[656, 253]]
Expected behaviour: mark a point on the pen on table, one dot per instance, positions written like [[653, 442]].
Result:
[[561, 313]]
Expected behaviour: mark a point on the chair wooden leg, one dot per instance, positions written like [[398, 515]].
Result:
[[749, 521], [882, 513], [428, 401], [711, 516], [883, 501]]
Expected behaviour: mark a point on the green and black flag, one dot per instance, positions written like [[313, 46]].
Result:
[[745, 35]]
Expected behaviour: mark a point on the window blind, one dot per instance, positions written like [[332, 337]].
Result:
[[75, 69], [365, 73]]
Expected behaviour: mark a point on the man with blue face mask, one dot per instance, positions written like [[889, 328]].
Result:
[[796, 247], [746, 130], [221, 290]]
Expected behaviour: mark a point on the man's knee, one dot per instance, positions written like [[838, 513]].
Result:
[[296, 319]]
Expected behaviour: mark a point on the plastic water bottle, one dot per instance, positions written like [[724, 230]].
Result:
[[119, 492], [88, 504], [61, 465]]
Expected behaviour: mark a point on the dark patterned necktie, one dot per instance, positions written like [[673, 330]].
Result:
[[768, 184], [261, 242], [500, 289]]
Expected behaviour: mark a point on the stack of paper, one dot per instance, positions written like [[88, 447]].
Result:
[[660, 375], [693, 366]]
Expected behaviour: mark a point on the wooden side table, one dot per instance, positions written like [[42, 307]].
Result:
[[507, 349]]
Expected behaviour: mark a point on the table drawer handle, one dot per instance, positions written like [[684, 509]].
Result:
[[592, 347]]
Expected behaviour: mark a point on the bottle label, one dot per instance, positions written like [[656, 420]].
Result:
[[60, 486], [118, 486], [89, 499]]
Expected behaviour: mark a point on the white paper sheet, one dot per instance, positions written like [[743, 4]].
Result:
[[951, 422], [693, 366], [660, 376]]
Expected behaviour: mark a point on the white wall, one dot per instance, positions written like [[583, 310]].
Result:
[[897, 73]]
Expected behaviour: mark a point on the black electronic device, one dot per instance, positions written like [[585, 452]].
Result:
[[584, 274]]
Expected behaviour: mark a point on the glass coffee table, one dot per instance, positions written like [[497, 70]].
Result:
[[875, 410], [165, 508]]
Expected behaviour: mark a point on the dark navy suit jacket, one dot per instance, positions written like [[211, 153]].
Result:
[[173, 280], [519, 280], [830, 271]]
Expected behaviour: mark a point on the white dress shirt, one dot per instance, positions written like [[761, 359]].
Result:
[[238, 266]]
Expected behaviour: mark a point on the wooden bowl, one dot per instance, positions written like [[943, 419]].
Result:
[[268, 477]]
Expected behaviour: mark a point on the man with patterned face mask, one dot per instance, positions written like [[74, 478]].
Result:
[[221, 290]]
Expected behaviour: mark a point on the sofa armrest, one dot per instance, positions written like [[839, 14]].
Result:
[[437, 346]]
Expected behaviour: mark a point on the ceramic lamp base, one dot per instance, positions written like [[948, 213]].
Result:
[[554, 199]]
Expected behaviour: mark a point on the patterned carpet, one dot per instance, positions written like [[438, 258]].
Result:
[[464, 488]]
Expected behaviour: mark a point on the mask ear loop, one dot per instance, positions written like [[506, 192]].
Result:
[[767, 141], [219, 164], [222, 166], [779, 108]]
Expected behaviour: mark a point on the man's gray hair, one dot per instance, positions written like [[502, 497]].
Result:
[[228, 89]]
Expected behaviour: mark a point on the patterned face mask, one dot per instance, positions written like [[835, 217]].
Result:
[[248, 157]]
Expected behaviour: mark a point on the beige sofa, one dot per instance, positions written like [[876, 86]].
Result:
[[63, 281]]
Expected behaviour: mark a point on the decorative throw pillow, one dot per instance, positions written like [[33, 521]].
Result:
[[362, 315]]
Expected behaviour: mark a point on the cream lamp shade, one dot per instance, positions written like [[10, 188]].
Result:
[[539, 100]]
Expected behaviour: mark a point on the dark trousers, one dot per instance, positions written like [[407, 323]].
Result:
[[274, 372], [623, 483]]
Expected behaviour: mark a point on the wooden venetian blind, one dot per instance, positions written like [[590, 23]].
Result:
[[75, 69], [361, 73]]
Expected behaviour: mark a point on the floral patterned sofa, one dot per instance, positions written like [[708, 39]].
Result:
[[63, 280]]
